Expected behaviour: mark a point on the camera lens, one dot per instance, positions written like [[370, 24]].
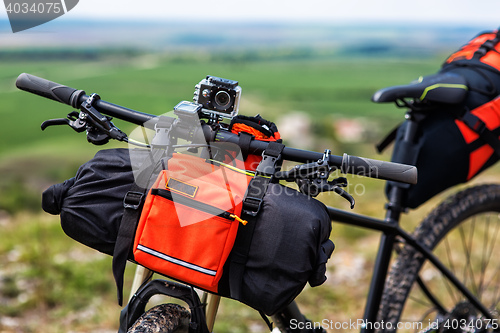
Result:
[[222, 99]]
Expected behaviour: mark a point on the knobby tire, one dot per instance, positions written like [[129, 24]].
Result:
[[449, 228]]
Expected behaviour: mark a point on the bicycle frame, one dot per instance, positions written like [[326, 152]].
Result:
[[389, 227], [391, 231]]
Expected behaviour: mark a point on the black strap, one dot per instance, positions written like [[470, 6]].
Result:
[[478, 126], [266, 320], [123, 242], [488, 45], [271, 161], [239, 257], [244, 141], [133, 201], [389, 138]]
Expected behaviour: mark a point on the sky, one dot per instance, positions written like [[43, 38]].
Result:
[[309, 10], [446, 11]]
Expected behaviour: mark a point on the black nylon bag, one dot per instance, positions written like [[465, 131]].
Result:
[[91, 203], [290, 244], [290, 247], [440, 154]]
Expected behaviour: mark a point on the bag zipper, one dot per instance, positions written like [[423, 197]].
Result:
[[166, 194]]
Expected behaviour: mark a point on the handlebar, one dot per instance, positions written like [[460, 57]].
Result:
[[347, 164], [73, 97]]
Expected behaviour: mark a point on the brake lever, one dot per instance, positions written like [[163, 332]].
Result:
[[317, 186], [72, 120], [101, 122], [312, 178], [54, 122]]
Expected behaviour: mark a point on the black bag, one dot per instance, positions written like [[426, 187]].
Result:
[[91, 203], [456, 142], [288, 247]]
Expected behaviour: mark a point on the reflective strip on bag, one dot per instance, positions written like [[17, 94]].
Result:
[[176, 261]]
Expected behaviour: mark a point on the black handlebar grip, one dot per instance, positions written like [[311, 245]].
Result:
[[367, 167], [49, 89]]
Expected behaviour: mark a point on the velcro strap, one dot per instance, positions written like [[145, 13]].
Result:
[[244, 141], [274, 149]]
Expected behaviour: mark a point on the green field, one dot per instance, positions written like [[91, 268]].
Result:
[[48, 279], [323, 89]]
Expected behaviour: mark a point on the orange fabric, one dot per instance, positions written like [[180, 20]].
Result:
[[258, 135], [491, 58], [489, 113], [468, 134], [252, 161], [477, 159], [179, 239]]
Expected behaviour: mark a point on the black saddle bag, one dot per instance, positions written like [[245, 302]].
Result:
[[456, 142]]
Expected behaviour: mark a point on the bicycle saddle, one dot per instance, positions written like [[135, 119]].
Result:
[[445, 88]]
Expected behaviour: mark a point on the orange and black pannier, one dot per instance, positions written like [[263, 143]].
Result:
[[456, 142], [189, 221]]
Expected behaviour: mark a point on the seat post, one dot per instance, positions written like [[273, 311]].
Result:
[[394, 208]]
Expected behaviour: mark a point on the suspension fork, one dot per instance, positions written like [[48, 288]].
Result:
[[211, 301]]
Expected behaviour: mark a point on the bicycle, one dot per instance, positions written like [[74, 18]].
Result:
[[468, 304]]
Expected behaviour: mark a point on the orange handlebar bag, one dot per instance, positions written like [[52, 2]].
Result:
[[190, 219]]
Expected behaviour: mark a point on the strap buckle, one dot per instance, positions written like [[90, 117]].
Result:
[[271, 157], [252, 205], [133, 200], [268, 165], [162, 137]]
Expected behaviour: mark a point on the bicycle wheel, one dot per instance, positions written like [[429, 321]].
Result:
[[463, 232], [164, 318]]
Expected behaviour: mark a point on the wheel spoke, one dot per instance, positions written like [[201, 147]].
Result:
[[448, 255], [471, 240], [419, 301], [492, 247], [432, 299], [452, 268], [495, 298], [484, 262], [463, 232], [467, 273], [450, 289]]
